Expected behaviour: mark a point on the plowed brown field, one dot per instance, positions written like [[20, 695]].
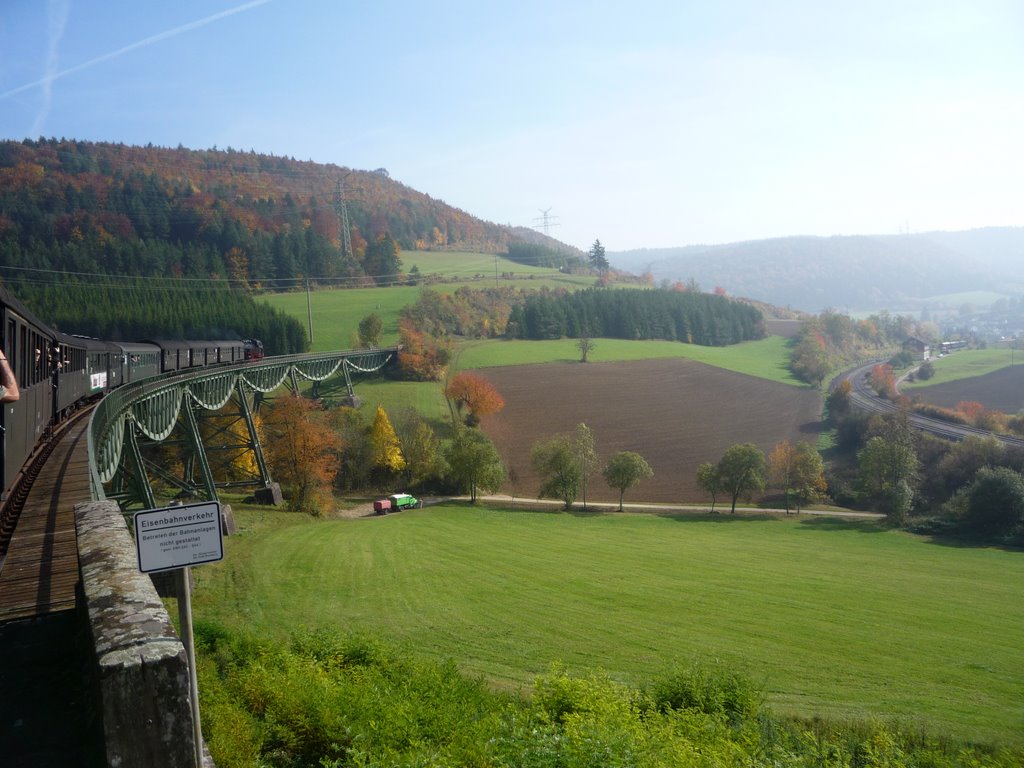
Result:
[[1001, 390], [675, 413]]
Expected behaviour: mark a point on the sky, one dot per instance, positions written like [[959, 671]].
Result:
[[645, 124]]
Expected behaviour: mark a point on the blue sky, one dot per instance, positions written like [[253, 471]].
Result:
[[644, 124]]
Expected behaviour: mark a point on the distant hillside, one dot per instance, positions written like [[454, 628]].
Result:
[[75, 206], [846, 273], [533, 237]]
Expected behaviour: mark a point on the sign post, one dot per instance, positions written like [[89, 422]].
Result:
[[176, 538]]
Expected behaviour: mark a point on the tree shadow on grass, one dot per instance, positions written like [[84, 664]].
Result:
[[948, 535], [810, 428], [717, 517], [857, 524]]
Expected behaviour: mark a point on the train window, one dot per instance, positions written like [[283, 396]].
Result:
[[25, 361], [40, 356], [12, 346]]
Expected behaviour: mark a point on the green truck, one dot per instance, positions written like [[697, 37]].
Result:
[[404, 501]]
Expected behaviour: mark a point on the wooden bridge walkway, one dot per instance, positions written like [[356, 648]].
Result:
[[46, 715]]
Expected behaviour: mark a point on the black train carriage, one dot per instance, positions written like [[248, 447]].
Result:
[[70, 370], [182, 355], [57, 371], [135, 362], [27, 343], [217, 352]]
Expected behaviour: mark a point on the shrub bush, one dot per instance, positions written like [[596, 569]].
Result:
[[937, 412], [329, 700], [713, 692]]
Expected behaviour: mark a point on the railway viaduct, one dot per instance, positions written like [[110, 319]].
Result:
[[138, 677]]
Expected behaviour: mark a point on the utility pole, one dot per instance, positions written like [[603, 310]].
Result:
[[309, 312]]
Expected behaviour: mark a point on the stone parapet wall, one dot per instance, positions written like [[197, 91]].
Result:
[[141, 667]]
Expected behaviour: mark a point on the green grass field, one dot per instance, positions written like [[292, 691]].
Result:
[[766, 359], [335, 313], [968, 363], [836, 618], [466, 265]]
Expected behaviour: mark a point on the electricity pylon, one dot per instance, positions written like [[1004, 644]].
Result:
[[343, 225]]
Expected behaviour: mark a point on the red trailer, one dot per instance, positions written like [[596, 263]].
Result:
[[382, 506]]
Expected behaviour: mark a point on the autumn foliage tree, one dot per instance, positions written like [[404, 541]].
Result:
[[810, 358], [386, 451], [475, 394], [883, 380], [424, 357], [227, 439], [303, 451], [797, 471], [781, 469], [838, 401]]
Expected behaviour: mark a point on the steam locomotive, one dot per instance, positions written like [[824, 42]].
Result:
[[58, 372]]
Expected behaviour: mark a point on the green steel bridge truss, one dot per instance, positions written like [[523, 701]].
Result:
[[152, 409]]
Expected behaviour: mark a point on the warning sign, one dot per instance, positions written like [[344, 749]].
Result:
[[175, 537]]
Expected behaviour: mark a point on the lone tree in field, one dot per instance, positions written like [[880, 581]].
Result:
[[555, 461], [585, 345], [473, 462], [741, 471], [370, 329], [624, 470], [474, 393]]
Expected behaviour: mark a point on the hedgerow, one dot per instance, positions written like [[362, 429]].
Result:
[[332, 700]]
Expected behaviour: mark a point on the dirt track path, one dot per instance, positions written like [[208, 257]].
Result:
[[646, 506]]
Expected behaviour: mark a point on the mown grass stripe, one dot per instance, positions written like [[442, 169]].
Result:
[[835, 617]]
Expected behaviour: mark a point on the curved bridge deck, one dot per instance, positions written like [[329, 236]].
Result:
[[43, 640], [40, 571]]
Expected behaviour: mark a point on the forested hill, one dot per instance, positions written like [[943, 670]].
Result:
[[92, 207], [850, 273]]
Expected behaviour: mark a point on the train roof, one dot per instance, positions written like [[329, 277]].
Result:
[[194, 343], [10, 300], [135, 347], [88, 342]]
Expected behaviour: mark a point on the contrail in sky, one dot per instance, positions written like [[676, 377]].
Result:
[[57, 18], [46, 81]]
